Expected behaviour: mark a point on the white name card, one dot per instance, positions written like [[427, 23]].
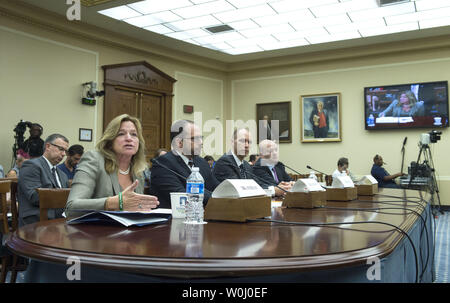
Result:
[[306, 185], [367, 180], [238, 188], [342, 182]]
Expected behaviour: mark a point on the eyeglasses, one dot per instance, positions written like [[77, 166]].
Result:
[[60, 148]]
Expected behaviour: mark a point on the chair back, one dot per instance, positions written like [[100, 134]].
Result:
[[5, 187], [50, 198], [14, 203]]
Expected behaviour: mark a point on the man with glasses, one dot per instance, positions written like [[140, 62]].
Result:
[[170, 171], [41, 172]]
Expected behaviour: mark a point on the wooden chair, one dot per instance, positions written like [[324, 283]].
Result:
[[10, 261], [50, 198], [5, 187]]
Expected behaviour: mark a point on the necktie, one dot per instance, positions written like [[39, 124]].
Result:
[[275, 175], [55, 177], [191, 163], [242, 171]]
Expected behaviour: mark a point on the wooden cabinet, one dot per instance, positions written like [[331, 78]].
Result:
[[141, 90]]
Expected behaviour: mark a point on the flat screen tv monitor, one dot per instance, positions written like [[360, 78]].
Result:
[[416, 105]]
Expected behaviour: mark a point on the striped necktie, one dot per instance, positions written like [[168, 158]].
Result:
[[55, 177]]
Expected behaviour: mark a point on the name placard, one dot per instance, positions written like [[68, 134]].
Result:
[[367, 180], [238, 188], [306, 186], [342, 182]]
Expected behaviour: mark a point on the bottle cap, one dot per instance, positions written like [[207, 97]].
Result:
[[195, 168]]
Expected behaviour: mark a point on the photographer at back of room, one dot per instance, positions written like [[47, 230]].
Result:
[[34, 145], [406, 106]]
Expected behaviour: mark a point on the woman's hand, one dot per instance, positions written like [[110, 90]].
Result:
[[137, 202]]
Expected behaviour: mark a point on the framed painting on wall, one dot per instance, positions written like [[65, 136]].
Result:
[[320, 119], [273, 121]]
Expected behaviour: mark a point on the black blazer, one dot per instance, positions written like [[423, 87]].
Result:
[[164, 182], [226, 168], [264, 173]]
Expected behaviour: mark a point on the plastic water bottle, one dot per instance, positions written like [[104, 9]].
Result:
[[194, 204], [312, 175]]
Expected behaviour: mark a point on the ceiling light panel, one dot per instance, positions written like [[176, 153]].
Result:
[[292, 5], [389, 29], [242, 25], [434, 22], [342, 8], [158, 18], [284, 44], [431, 4], [199, 22], [120, 12], [423, 15], [247, 3], [252, 41], [219, 38], [190, 34], [159, 29], [153, 6], [264, 31], [317, 22], [245, 13], [315, 39], [339, 28], [303, 14], [380, 12], [204, 9]]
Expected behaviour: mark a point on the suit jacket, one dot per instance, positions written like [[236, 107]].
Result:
[[264, 173], [164, 182], [92, 184], [226, 168], [36, 173]]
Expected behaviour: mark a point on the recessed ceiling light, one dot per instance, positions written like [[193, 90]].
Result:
[[120, 12]]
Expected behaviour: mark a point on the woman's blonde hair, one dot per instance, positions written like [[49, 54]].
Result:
[[411, 97], [105, 145]]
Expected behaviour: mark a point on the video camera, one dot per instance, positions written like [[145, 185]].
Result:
[[431, 137]]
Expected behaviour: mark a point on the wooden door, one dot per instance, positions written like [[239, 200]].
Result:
[[120, 101], [151, 113]]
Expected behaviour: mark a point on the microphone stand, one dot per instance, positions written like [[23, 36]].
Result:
[[309, 167], [292, 169], [403, 156]]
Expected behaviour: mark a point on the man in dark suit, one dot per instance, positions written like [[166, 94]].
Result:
[[270, 169], [187, 143], [41, 172], [232, 164]]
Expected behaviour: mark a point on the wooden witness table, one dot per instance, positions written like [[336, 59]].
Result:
[[252, 251]]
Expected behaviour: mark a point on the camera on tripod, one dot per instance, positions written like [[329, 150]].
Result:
[[431, 137]]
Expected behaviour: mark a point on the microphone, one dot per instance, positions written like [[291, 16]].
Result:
[[309, 167], [174, 172], [404, 141]]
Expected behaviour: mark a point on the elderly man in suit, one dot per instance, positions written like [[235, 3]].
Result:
[[232, 164], [270, 169], [170, 171], [41, 172]]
